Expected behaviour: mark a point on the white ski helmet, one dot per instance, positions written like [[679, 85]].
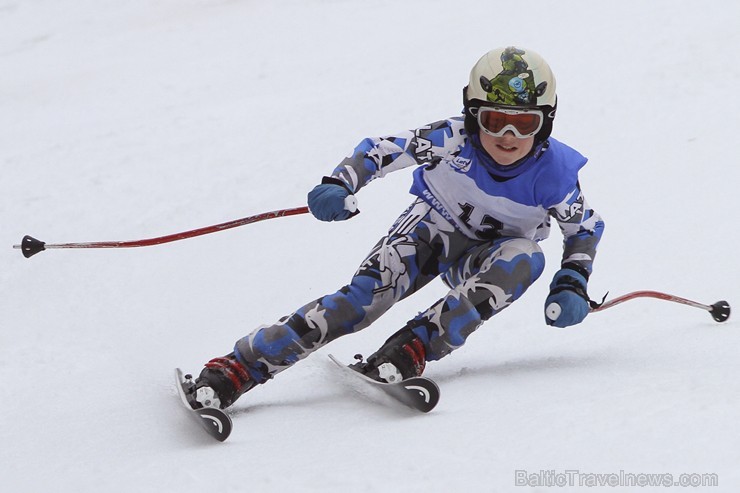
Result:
[[511, 78]]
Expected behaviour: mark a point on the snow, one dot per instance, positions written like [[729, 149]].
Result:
[[128, 120]]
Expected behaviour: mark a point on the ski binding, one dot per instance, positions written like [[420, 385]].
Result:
[[213, 420], [418, 393]]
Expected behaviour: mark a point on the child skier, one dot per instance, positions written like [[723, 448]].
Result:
[[487, 185]]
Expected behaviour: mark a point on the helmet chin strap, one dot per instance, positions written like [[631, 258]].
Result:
[[514, 169]]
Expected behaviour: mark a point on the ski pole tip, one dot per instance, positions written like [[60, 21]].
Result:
[[720, 311], [30, 246]]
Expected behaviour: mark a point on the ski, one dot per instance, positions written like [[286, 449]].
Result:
[[418, 393], [216, 422]]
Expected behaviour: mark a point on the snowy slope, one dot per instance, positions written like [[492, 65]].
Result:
[[126, 120]]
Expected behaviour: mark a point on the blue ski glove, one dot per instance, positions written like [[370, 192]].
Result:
[[332, 200], [568, 303]]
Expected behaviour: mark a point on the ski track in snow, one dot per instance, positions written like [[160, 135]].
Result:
[[127, 120]]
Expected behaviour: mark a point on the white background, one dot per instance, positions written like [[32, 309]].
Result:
[[128, 120]]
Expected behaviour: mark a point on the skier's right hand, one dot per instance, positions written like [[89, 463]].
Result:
[[332, 200]]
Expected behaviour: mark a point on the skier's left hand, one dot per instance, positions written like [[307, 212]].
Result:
[[568, 302]]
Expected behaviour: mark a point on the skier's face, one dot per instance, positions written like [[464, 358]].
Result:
[[507, 149]]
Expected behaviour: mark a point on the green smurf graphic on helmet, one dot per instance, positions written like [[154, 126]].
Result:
[[515, 84]]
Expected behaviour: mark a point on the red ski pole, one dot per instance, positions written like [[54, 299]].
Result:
[[720, 311], [31, 246]]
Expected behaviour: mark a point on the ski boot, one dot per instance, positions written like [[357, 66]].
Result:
[[220, 384], [402, 356]]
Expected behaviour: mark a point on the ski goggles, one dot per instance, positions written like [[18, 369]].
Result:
[[522, 122]]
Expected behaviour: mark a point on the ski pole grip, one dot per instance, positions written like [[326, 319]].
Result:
[[552, 311], [350, 204]]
